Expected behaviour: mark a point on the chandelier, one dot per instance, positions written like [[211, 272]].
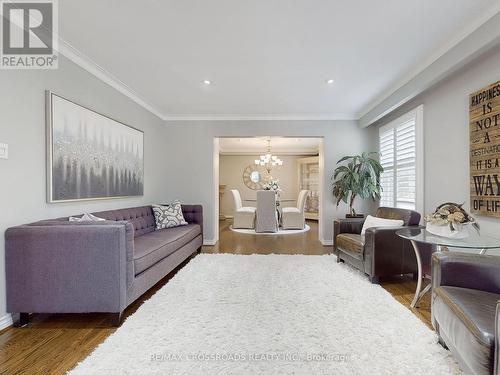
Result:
[[268, 160]]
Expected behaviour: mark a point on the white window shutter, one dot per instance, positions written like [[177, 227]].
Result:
[[387, 162], [399, 157]]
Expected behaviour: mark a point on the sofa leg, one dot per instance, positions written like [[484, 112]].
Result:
[[199, 250], [374, 279], [23, 320], [116, 318]]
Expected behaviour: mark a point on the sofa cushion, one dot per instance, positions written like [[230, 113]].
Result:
[[153, 247], [475, 308], [351, 243], [86, 217], [466, 317], [142, 218]]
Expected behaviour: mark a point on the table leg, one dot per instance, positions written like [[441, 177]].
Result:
[[419, 296], [419, 293], [420, 276]]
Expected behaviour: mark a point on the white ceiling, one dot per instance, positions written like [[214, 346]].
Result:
[[279, 145], [266, 58]]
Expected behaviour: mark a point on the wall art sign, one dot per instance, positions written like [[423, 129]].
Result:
[[484, 127], [89, 155]]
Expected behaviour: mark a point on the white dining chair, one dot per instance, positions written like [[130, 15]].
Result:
[[266, 218], [244, 217], [294, 217]]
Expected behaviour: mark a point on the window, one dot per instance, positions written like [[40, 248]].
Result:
[[401, 155]]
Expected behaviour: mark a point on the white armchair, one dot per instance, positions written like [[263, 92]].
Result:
[[293, 217], [244, 217]]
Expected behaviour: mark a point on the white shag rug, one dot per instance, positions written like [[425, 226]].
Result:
[[279, 232], [270, 314]]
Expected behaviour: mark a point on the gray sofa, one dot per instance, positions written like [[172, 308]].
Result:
[[58, 266]]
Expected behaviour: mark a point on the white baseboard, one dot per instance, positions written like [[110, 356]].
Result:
[[5, 321], [209, 242], [326, 242]]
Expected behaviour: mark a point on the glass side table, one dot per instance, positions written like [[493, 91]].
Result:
[[420, 235]]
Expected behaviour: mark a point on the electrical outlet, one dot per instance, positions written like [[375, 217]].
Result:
[[4, 151]]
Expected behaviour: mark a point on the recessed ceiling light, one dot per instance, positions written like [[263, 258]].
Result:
[[329, 81], [207, 82]]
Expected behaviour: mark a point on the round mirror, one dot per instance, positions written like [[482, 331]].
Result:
[[252, 178], [255, 176]]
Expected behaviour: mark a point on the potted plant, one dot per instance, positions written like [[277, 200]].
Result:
[[357, 175]]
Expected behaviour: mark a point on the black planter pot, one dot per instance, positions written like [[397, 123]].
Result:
[[356, 216]]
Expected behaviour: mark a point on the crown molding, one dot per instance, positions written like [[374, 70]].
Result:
[[466, 31], [99, 72], [263, 117]]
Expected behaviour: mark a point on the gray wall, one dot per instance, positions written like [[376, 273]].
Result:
[[446, 134], [193, 179], [22, 126]]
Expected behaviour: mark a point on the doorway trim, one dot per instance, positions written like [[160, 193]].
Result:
[[215, 192], [215, 186]]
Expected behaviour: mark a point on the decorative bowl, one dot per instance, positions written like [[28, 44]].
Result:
[[461, 231]]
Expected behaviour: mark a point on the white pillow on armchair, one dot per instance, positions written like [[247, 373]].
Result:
[[373, 222]]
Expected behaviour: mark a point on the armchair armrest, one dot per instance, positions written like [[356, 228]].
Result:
[[473, 271], [384, 249], [193, 213], [353, 225], [78, 267]]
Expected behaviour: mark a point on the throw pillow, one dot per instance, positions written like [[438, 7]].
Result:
[[373, 221], [168, 216], [86, 217]]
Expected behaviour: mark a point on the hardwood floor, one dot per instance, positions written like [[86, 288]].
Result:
[[239, 243], [53, 344]]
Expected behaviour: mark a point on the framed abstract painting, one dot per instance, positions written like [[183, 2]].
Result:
[[90, 155]]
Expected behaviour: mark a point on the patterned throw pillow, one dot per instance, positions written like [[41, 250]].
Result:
[[86, 217], [169, 216]]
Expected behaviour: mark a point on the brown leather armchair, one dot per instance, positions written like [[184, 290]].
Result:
[[465, 308], [380, 252]]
